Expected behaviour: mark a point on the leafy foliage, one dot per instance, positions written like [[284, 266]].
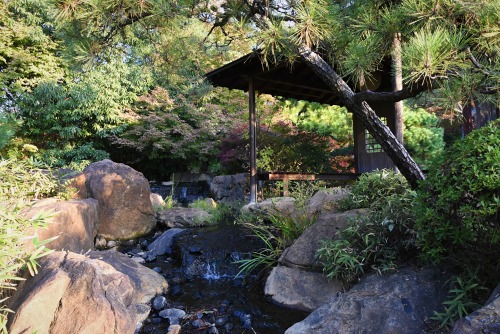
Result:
[[28, 46], [379, 241], [371, 190], [63, 120], [422, 136], [461, 302], [458, 205], [282, 146], [182, 132], [8, 126]]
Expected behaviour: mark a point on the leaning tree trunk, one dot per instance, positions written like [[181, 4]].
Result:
[[382, 134]]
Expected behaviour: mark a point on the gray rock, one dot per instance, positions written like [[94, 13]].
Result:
[[326, 200], [138, 259], [303, 251], [212, 330], [163, 244], [183, 217], [484, 320], [159, 303], [198, 323], [272, 206], [300, 290], [229, 188], [173, 315], [394, 304]]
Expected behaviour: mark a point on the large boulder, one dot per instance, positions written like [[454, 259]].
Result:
[[74, 223], [298, 282], [183, 217], [229, 188], [125, 210], [484, 320], [299, 289], [146, 282], [74, 294], [395, 304]]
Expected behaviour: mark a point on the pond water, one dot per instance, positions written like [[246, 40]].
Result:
[[201, 275]]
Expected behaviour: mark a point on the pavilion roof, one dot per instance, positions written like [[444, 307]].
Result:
[[283, 79]]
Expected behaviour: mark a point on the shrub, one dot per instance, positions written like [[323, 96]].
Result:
[[371, 189], [458, 205], [382, 239]]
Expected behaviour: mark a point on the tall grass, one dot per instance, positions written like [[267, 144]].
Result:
[[276, 231]]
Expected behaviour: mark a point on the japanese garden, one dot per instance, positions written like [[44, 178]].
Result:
[[249, 166]]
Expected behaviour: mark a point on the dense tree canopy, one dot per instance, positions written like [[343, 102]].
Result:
[[448, 47]]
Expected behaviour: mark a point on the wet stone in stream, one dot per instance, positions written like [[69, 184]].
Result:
[[204, 297]]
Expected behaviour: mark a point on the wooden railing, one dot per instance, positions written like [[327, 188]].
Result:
[[286, 177]]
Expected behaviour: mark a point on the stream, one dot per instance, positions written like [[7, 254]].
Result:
[[202, 281]]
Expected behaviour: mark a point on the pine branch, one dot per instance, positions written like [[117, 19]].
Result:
[[370, 96]]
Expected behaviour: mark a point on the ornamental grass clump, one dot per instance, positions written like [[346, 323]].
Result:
[[21, 183], [277, 231]]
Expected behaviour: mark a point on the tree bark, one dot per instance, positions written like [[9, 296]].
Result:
[[382, 134], [397, 84]]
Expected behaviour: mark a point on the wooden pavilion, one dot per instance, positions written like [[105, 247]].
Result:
[[298, 81]]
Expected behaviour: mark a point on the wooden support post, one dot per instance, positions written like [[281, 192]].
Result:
[[253, 141], [286, 181]]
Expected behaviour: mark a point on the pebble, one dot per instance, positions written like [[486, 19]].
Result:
[[138, 259], [158, 270], [174, 329], [198, 323], [100, 242], [159, 303], [212, 330], [229, 327], [111, 244], [173, 315], [143, 243], [195, 250], [221, 321]]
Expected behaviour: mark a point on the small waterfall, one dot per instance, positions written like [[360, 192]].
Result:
[[211, 272]]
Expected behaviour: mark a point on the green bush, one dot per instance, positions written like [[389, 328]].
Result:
[[458, 204], [371, 189], [382, 239]]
